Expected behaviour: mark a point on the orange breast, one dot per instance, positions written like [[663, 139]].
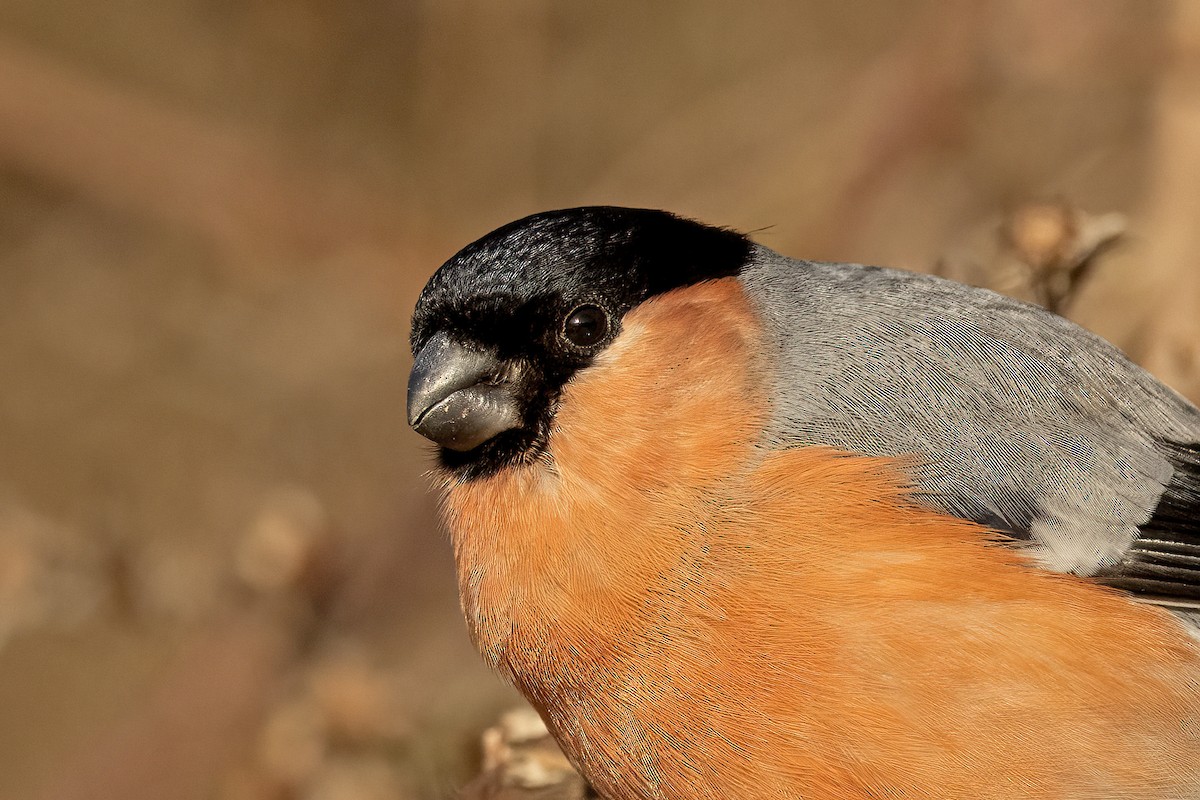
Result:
[[697, 616]]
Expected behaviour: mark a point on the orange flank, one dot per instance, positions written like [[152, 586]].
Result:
[[696, 615]]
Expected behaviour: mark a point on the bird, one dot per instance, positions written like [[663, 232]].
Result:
[[739, 525]]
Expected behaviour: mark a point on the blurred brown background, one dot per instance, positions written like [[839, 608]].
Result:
[[220, 574]]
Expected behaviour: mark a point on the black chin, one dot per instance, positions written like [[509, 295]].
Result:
[[511, 448]]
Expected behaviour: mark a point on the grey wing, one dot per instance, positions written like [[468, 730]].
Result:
[[1021, 420]]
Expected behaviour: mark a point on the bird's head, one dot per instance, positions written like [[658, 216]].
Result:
[[503, 325]]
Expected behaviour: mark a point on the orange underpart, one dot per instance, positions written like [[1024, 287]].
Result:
[[696, 615]]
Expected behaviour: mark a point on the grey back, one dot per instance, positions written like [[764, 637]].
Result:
[[1017, 418]]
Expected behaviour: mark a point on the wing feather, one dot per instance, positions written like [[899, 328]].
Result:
[[1013, 417], [1164, 560]]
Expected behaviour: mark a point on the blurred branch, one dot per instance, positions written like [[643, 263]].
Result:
[[1168, 342], [1041, 251], [1058, 245], [906, 98], [909, 99], [227, 675], [195, 724], [522, 762], [112, 145]]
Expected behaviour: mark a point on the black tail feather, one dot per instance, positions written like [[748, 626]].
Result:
[[1165, 559]]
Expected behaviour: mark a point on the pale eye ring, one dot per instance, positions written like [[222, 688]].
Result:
[[585, 326]]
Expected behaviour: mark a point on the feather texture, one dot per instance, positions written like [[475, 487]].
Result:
[[1017, 418], [697, 615]]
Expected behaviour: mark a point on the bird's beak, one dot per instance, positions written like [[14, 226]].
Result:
[[456, 396]]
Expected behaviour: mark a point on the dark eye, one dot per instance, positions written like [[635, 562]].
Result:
[[586, 326]]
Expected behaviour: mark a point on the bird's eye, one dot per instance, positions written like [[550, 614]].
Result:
[[585, 326]]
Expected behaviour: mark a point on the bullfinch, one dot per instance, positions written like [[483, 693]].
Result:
[[743, 526]]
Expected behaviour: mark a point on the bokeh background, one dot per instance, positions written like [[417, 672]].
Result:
[[220, 570]]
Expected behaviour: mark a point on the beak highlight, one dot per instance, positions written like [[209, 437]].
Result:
[[454, 397]]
